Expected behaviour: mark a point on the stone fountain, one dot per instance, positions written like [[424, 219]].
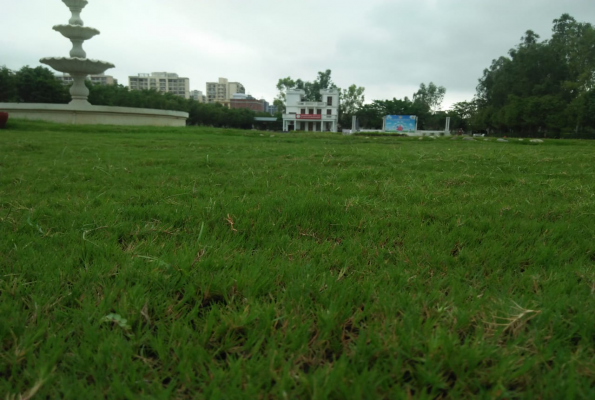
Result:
[[78, 65], [79, 110]]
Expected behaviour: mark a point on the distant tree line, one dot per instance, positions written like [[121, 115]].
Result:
[[542, 88], [31, 85], [39, 85], [425, 105]]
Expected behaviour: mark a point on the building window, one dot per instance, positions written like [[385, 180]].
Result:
[[329, 101], [303, 111], [311, 111], [319, 111], [328, 112]]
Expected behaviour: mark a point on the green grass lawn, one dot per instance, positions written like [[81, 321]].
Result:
[[203, 263]]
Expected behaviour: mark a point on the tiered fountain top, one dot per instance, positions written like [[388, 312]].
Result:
[[77, 65]]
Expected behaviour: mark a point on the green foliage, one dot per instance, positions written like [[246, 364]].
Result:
[[302, 266], [219, 116], [280, 104], [463, 114], [322, 81], [352, 100], [431, 96], [120, 96], [199, 113], [312, 89], [8, 86], [370, 115], [34, 85], [283, 86], [541, 86]]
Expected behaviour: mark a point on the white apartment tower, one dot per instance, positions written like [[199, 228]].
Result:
[[311, 116], [198, 96], [223, 91], [161, 81]]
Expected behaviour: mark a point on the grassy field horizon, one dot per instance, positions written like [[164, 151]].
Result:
[[212, 263]]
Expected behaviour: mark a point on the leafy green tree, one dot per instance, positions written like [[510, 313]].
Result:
[[463, 115], [311, 89], [541, 87], [322, 81], [280, 104], [465, 109], [431, 95], [352, 99], [370, 116], [39, 85], [283, 86], [8, 88]]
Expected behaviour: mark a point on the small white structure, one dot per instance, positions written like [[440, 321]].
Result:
[[311, 116]]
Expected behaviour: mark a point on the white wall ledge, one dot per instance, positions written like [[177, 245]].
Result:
[[94, 115]]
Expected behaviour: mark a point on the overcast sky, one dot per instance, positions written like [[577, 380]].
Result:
[[387, 46]]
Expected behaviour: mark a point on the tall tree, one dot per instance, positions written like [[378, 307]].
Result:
[[370, 115], [8, 88], [541, 86], [465, 112], [430, 95], [39, 85], [312, 89], [322, 81], [352, 99]]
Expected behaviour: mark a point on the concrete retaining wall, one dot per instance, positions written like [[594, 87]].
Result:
[[94, 115]]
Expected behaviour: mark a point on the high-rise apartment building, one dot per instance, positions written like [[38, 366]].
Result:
[[165, 82], [223, 91], [102, 79], [198, 96]]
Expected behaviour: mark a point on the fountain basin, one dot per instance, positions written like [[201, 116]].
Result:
[[94, 115], [75, 65], [76, 32]]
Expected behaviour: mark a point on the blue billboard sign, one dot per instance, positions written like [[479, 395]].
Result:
[[400, 123]]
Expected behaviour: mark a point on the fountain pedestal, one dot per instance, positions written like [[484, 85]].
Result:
[[78, 90], [78, 65]]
